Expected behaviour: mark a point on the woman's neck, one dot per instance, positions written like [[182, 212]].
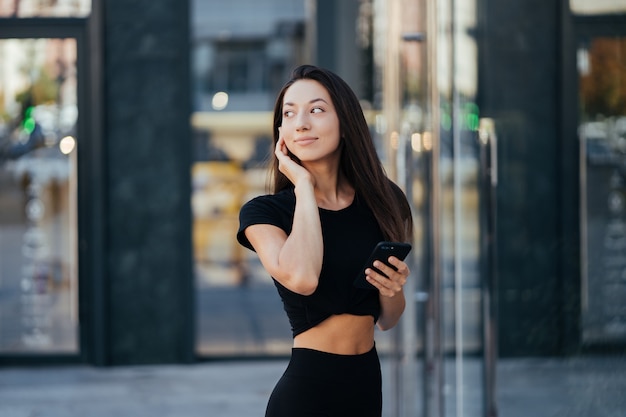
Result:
[[332, 189], [334, 194]]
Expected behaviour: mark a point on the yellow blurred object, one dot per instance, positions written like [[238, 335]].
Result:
[[218, 191]]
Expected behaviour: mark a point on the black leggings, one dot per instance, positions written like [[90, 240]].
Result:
[[320, 384]]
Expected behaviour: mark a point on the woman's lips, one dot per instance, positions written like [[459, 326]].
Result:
[[305, 140]]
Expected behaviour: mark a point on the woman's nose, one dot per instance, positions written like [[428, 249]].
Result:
[[302, 121]]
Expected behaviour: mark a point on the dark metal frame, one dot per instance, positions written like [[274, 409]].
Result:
[[433, 375], [570, 210], [488, 183]]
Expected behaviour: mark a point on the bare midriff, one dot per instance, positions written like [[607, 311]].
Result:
[[343, 334]]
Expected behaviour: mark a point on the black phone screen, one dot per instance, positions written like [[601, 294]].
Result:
[[382, 251]]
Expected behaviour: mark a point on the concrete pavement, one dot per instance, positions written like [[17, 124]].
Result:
[[577, 387], [209, 389]]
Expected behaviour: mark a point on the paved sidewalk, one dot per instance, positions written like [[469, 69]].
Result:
[[576, 387], [591, 386], [224, 389]]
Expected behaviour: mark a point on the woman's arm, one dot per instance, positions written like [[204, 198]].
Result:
[[295, 260]]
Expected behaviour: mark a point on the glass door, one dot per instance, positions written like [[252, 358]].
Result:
[[38, 200], [431, 125], [405, 137], [242, 53], [463, 295], [602, 130]]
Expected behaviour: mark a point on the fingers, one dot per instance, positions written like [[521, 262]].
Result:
[[282, 154], [401, 270], [281, 147], [397, 278]]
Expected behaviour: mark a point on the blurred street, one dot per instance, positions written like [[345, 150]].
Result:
[[580, 387]]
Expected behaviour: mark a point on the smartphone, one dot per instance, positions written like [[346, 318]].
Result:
[[382, 251]]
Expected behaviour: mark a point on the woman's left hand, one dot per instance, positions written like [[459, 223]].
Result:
[[391, 286]]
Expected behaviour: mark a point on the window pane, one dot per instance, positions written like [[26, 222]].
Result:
[[602, 71], [45, 8], [38, 256], [242, 53]]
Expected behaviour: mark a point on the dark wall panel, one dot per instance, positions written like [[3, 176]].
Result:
[[147, 143], [520, 90]]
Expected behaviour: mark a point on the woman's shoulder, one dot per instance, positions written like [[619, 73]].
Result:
[[284, 198], [274, 209]]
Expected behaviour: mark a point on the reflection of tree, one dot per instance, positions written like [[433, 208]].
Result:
[[44, 89], [25, 133], [603, 89]]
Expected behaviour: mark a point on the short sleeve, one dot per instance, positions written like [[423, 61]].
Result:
[[267, 209]]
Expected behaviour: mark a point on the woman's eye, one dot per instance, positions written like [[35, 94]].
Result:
[[288, 113], [317, 110]]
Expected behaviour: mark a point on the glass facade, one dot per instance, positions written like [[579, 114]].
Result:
[[431, 73], [459, 161], [602, 93], [427, 63], [426, 129], [242, 52], [38, 207]]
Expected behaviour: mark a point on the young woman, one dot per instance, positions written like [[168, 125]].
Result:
[[331, 204]]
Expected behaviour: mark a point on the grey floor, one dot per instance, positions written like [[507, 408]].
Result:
[[579, 387]]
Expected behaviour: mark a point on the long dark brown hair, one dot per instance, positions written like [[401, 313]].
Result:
[[359, 161]]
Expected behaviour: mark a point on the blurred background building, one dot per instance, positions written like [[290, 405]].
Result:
[[132, 132]]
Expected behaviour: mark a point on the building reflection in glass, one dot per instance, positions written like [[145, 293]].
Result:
[[602, 70], [38, 254], [242, 52]]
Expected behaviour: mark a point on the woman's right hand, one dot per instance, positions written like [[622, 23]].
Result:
[[290, 168], [294, 260]]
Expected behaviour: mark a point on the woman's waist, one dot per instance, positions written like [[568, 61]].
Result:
[[343, 334]]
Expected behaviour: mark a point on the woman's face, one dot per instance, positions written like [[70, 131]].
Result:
[[310, 126]]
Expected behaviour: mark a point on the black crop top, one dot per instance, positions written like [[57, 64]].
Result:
[[349, 235]]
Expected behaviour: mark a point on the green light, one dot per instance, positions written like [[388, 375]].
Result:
[[29, 122], [29, 125], [472, 122], [471, 116]]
